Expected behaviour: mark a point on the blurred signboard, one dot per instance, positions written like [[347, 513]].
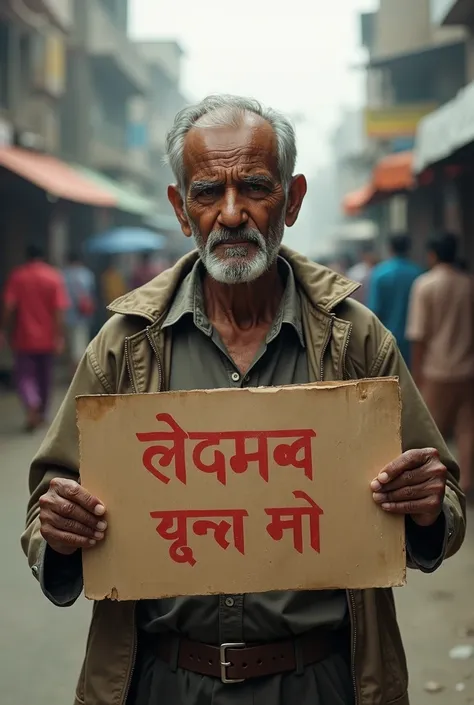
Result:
[[395, 122], [50, 63]]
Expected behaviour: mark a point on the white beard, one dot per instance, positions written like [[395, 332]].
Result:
[[236, 265]]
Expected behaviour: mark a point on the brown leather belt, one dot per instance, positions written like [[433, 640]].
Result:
[[234, 663]]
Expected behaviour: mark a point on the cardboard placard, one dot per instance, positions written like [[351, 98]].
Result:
[[241, 490]]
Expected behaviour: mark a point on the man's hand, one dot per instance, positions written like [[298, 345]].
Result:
[[70, 517], [413, 484]]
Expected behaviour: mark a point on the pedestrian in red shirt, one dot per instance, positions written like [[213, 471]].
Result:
[[35, 300]]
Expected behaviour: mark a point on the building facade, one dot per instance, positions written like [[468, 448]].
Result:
[[414, 66], [32, 71], [104, 73], [164, 100]]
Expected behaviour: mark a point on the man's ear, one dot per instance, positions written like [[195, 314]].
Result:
[[176, 200], [296, 195]]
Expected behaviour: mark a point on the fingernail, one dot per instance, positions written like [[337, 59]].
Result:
[[386, 505], [383, 477], [379, 497], [99, 509], [375, 485], [92, 542], [98, 535], [101, 526]]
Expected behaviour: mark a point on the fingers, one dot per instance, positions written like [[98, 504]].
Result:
[[409, 463], [413, 484], [70, 517], [428, 506], [75, 493], [408, 492], [72, 526], [66, 508], [64, 542]]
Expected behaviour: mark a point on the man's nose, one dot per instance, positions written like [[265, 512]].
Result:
[[232, 214]]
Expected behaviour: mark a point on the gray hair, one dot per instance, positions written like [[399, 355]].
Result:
[[229, 110]]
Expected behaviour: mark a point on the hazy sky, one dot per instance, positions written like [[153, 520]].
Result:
[[294, 55]]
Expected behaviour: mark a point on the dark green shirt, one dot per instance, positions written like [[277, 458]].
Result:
[[199, 360]]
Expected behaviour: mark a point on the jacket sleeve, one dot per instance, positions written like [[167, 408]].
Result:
[[60, 577], [420, 431]]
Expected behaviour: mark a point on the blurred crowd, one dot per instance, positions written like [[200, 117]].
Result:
[[430, 312], [48, 313]]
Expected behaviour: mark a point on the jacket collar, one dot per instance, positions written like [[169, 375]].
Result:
[[324, 288]]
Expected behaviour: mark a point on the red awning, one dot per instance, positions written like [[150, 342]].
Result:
[[394, 173], [55, 177], [355, 201], [391, 174]]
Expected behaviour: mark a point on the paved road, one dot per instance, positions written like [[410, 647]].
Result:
[[41, 646]]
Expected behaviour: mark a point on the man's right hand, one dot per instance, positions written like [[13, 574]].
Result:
[[70, 517]]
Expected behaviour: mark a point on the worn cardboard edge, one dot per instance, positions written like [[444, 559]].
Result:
[[81, 399], [114, 595]]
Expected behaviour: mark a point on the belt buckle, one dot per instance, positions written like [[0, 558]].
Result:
[[224, 664]]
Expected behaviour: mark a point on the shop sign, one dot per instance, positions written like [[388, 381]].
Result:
[[395, 122]]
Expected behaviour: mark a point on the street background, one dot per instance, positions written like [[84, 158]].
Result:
[[381, 93], [42, 645]]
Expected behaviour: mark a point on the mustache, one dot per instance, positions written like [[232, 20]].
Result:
[[227, 236]]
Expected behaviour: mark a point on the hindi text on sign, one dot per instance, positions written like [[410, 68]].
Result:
[[297, 453]]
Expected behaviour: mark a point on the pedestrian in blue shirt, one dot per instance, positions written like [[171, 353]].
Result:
[[390, 287]]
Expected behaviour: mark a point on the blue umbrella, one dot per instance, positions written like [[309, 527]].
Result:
[[125, 240]]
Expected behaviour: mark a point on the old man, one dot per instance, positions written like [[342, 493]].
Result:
[[240, 311]]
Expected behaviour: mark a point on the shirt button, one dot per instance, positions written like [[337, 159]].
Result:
[[235, 376], [229, 602]]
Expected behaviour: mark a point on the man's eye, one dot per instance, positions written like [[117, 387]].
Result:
[[257, 188], [206, 192]]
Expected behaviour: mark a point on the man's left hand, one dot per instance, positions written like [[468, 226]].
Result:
[[413, 484]]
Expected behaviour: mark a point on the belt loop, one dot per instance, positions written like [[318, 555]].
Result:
[[174, 653], [299, 660]]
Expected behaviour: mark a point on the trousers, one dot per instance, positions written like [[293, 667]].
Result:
[[33, 373], [451, 404]]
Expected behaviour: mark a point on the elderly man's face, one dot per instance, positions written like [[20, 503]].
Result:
[[235, 206]]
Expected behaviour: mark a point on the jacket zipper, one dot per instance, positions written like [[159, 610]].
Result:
[[325, 347], [133, 661], [129, 367], [344, 352], [352, 608], [157, 356]]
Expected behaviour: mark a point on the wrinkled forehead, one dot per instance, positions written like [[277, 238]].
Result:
[[249, 145]]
